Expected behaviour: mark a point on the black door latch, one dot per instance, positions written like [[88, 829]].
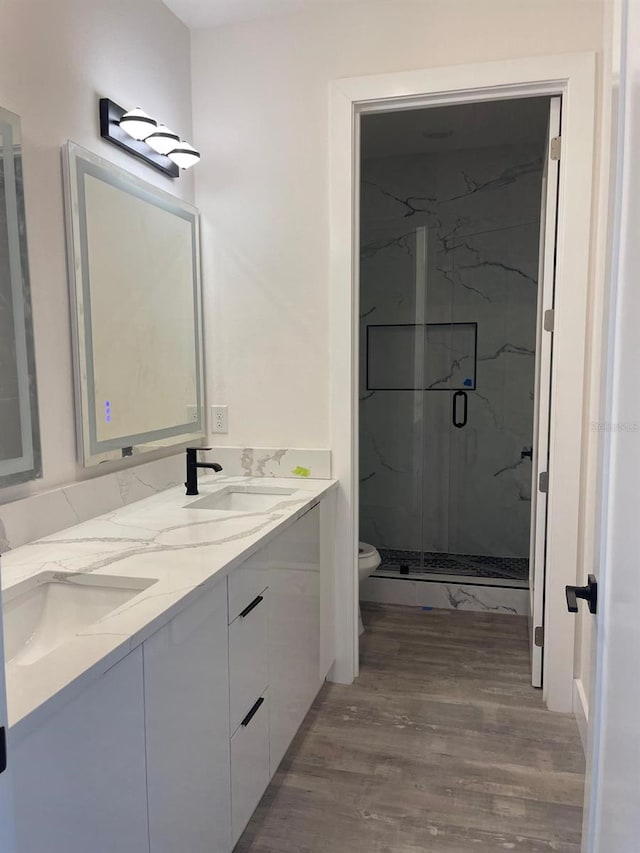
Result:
[[3, 750], [589, 593]]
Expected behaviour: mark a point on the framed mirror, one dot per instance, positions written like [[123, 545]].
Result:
[[134, 258], [19, 428]]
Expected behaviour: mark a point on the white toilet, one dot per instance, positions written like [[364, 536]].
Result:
[[368, 561]]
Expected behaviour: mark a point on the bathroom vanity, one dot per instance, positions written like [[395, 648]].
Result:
[[161, 657], [157, 725]]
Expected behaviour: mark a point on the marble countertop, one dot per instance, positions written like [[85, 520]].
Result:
[[186, 550]]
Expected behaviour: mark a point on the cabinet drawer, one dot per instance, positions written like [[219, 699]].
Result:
[[245, 582], [248, 659], [249, 764]]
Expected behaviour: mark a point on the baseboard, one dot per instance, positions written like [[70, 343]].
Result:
[[581, 710]]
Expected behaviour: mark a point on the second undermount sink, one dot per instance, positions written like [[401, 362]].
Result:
[[243, 499], [48, 609]]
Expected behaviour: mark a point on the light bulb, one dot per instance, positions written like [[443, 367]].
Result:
[[162, 139], [137, 123], [184, 155]]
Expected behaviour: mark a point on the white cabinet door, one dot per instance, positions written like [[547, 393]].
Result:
[[79, 778], [328, 583], [7, 836], [249, 763], [294, 630], [186, 679]]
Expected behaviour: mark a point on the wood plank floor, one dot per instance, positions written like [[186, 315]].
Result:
[[441, 745]]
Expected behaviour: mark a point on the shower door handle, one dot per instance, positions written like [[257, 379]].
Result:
[[459, 422]]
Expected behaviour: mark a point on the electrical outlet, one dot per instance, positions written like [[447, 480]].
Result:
[[219, 419]]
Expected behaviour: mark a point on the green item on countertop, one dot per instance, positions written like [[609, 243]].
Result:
[[299, 471]]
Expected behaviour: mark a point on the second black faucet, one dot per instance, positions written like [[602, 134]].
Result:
[[192, 468]]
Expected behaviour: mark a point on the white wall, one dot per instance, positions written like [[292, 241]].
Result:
[[261, 119], [261, 103], [56, 60]]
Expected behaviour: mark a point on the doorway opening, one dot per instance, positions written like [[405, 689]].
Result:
[[457, 241]]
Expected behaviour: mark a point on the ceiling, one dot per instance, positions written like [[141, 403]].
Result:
[[475, 125], [212, 13]]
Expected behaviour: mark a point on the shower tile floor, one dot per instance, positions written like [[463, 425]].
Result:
[[469, 565]]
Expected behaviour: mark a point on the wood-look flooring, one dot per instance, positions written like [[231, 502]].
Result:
[[441, 745]]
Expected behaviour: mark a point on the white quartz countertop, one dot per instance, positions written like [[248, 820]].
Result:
[[184, 550]]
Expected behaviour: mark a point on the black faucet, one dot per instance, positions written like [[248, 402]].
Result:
[[192, 468]]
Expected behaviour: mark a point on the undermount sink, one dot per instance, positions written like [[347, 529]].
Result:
[[48, 609], [242, 499]]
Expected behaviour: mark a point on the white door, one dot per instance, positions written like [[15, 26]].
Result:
[[544, 338], [613, 805], [7, 837]]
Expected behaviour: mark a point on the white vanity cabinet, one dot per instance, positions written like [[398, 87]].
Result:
[[248, 687], [186, 677], [79, 778], [227, 684], [173, 747], [294, 630], [248, 639], [274, 657]]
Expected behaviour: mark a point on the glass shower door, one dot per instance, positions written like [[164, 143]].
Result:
[[436, 407], [450, 378], [488, 311], [467, 466], [392, 365]]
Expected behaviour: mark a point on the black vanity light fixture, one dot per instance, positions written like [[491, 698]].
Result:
[[143, 137]]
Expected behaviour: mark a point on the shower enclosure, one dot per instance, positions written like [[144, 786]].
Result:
[[449, 256]]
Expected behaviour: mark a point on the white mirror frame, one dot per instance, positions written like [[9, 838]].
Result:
[[28, 465], [91, 451]]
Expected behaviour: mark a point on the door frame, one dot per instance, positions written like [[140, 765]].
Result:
[[573, 77], [542, 389]]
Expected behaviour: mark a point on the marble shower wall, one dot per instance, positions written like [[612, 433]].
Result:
[[423, 483]]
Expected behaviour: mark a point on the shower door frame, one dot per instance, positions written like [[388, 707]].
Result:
[[572, 76]]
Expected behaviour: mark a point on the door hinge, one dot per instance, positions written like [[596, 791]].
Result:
[[538, 636], [549, 319], [543, 481], [554, 148]]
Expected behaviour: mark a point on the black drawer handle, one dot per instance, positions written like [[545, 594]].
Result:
[[313, 506], [3, 750], [256, 601], [252, 712]]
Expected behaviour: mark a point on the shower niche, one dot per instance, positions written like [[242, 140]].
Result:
[[449, 355]]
